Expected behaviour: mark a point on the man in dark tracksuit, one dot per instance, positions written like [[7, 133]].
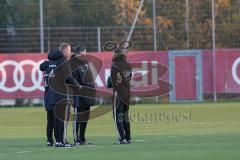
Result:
[[51, 97], [82, 103], [46, 67], [121, 74]]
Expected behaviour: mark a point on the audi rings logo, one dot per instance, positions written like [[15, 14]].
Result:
[[19, 76], [234, 70]]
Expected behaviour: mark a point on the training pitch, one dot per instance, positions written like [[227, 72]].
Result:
[[205, 131]]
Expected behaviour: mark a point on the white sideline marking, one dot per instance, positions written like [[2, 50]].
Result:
[[91, 145], [3, 154], [22, 152], [19, 127], [18, 113], [139, 140], [215, 122]]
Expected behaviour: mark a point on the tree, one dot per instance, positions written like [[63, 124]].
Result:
[[126, 11], [57, 13], [3, 14], [228, 23], [92, 13]]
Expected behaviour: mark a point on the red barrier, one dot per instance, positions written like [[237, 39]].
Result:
[[226, 78], [17, 78], [21, 78]]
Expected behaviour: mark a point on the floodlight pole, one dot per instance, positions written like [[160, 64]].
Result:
[[135, 21]]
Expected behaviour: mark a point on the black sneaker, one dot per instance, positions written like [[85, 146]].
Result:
[[129, 141], [58, 144], [121, 142], [66, 145], [76, 143], [49, 143], [84, 142], [63, 145]]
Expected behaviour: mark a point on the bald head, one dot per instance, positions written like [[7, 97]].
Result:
[[65, 48]]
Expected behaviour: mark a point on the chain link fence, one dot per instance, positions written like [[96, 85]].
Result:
[[180, 24]]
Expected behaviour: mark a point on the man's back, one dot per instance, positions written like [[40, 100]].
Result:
[[83, 75], [121, 74]]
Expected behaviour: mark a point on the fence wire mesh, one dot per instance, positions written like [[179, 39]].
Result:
[[180, 24]]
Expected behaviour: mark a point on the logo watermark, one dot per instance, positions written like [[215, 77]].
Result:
[[161, 116]]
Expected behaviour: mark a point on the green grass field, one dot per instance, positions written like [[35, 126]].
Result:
[[206, 131]]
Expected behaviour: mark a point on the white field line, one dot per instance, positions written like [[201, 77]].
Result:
[[157, 138], [215, 122], [23, 152], [18, 113], [139, 140]]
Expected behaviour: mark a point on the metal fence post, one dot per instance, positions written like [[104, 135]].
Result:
[[187, 24], [41, 26], [155, 34], [99, 38], [49, 41], [214, 50], [154, 25]]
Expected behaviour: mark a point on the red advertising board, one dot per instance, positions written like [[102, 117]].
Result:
[[227, 71], [20, 76]]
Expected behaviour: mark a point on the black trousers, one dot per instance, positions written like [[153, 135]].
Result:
[[50, 126], [83, 112], [121, 118], [54, 125], [59, 129], [83, 120]]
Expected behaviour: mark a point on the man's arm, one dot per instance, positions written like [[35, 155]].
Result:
[[67, 69], [109, 82], [43, 66]]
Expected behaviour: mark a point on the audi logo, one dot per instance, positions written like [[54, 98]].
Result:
[[18, 75]]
